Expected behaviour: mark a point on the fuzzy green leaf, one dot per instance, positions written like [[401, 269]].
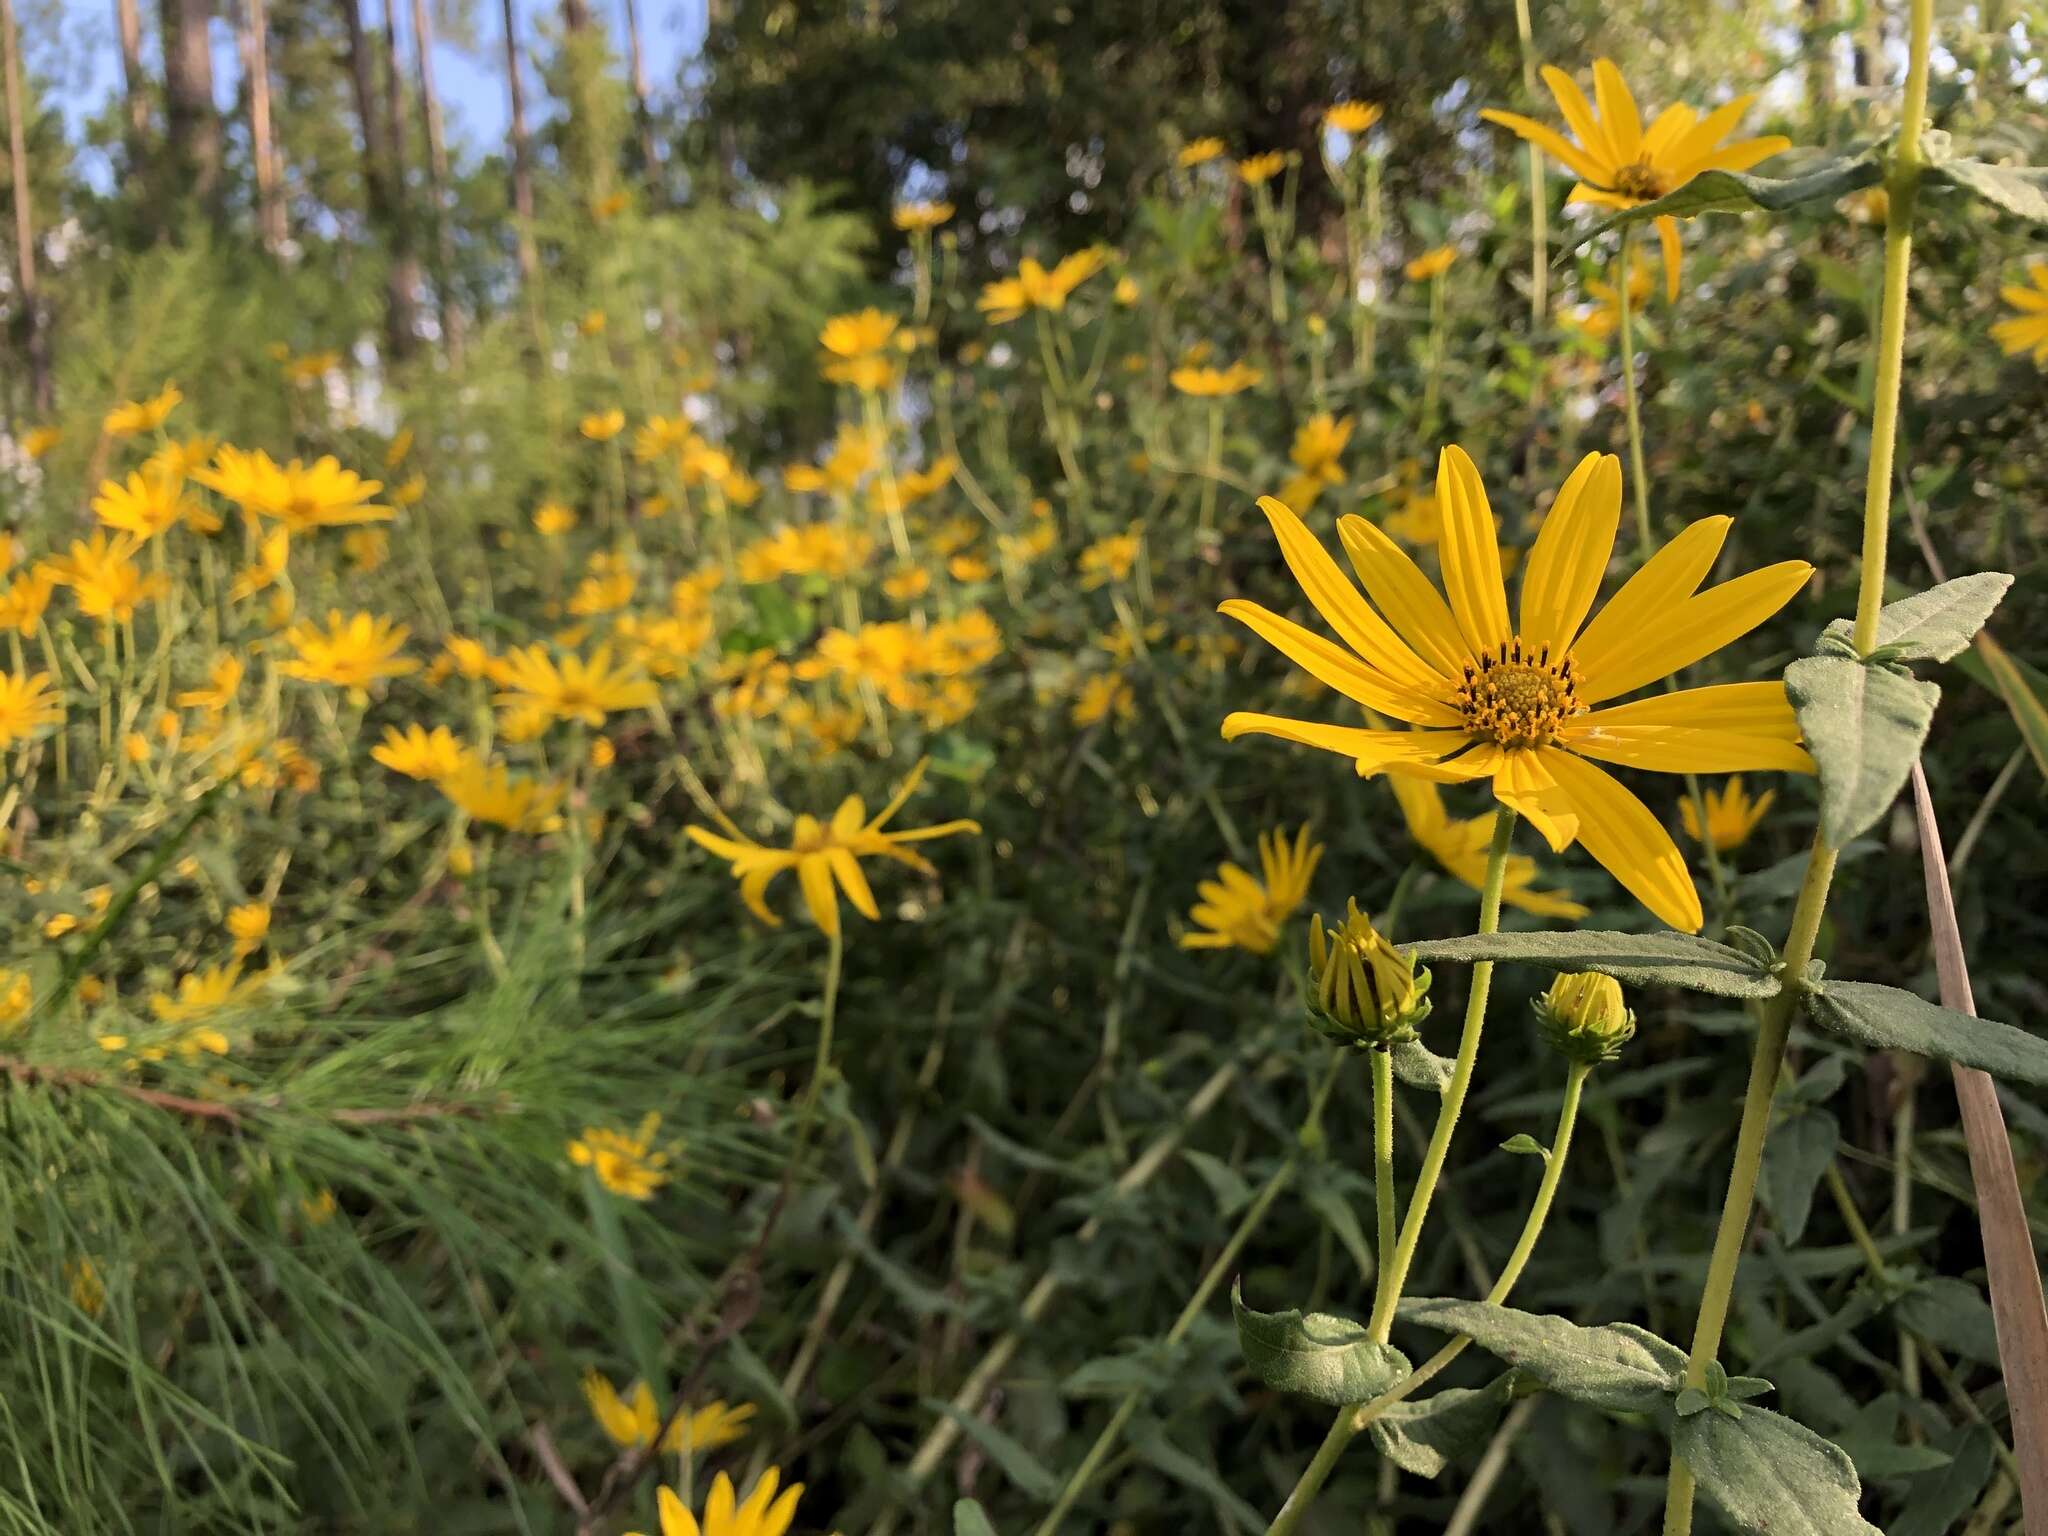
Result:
[[1664, 959], [1864, 724], [1522, 1144], [1953, 1314], [2020, 189], [1616, 1366], [1795, 1158], [1887, 1019], [1735, 192], [1420, 1067], [968, 1520], [1426, 1437], [1938, 623], [1767, 1473], [1318, 1355]]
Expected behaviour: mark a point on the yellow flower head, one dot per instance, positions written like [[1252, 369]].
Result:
[[350, 653], [366, 548], [104, 577], [633, 1420], [916, 218], [26, 706], [763, 1514], [1318, 448], [272, 553], [1365, 991], [249, 926], [603, 426], [551, 519], [1111, 558], [489, 792], [201, 994], [576, 689], [37, 441], [1213, 383], [1034, 287], [1621, 163], [853, 454], [1199, 152], [625, 1165], [17, 993], [300, 496], [822, 852], [857, 334], [1104, 696], [1257, 170], [1239, 911], [1352, 118], [2026, 331], [223, 679], [1731, 815], [1520, 700], [1431, 263], [23, 600], [138, 416], [421, 754], [143, 505]]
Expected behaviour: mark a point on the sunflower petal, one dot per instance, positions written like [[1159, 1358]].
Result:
[[1720, 729], [814, 874], [1578, 116], [1524, 784], [1406, 596], [1551, 142], [1570, 554], [1617, 111], [1374, 748], [1701, 625], [1618, 830], [846, 868], [1666, 579], [1674, 255], [1337, 668], [1671, 125], [1470, 551]]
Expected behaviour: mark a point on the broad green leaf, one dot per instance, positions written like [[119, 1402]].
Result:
[[1863, 724], [1616, 1366], [1767, 1473], [1425, 1437], [1019, 1465], [1871, 1442], [1936, 624], [2020, 189], [968, 1520], [1887, 1019], [1953, 1314], [1420, 1067], [1795, 1157], [2029, 712], [1331, 1359], [1115, 1375], [1640, 959], [1225, 1182], [1735, 192], [1149, 1440], [1321, 1193], [1942, 1497]]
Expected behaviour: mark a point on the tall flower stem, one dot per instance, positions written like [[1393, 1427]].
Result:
[[1903, 184], [1394, 1271], [1539, 212], [1367, 342], [1625, 304], [1254, 1215], [1383, 1158], [1212, 466], [1433, 385]]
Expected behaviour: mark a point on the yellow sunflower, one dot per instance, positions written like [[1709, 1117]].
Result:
[[2026, 331], [1240, 911], [1516, 701], [1622, 164]]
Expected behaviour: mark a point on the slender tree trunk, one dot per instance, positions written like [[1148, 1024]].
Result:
[[262, 145], [522, 152], [575, 15], [437, 181], [191, 125], [643, 112], [1820, 66], [134, 83], [377, 191], [35, 337], [405, 260]]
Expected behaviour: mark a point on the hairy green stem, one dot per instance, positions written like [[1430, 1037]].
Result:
[[1383, 1160], [1639, 478]]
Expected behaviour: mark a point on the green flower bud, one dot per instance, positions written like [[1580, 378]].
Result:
[[1584, 1018], [1363, 992]]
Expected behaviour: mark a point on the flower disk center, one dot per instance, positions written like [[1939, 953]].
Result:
[[1641, 180], [1520, 697]]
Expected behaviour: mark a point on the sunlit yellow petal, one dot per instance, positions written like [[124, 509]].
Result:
[[1551, 142], [1339, 603], [1578, 116], [1570, 554], [1338, 668], [1666, 579], [1399, 590], [1470, 551], [1700, 625], [1618, 830], [1371, 750], [1617, 111]]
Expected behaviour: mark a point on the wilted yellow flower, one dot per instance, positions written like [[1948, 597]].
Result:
[[1036, 288], [1622, 164], [1731, 815], [300, 496], [580, 690], [913, 218], [1514, 701], [1433, 263], [1257, 170], [822, 852], [350, 653], [1462, 847], [603, 426], [489, 792], [137, 416], [1352, 117], [1366, 993], [89, 1292], [26, 706], [249, 926], [419, 753], [1212, 383], [1239, 911], [625, 1165], [1584, 1018], [2026, 331], [1111, 558], [1199, 152]]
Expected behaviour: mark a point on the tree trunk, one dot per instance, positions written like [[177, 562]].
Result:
[[575, 15], [405, 260], [262, 145], [377, 191], [35, 337], [135, 84], [643, 113], [437, 180], [522, 152], [191, 126]]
